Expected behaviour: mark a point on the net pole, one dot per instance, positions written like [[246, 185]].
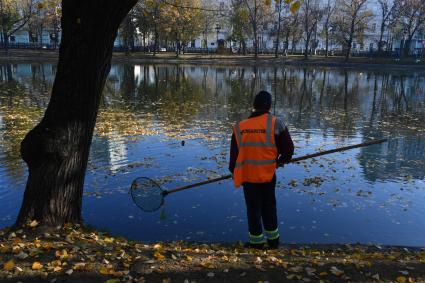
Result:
[[294, 160]]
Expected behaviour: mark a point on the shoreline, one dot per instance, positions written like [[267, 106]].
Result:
[[79, 254], [231, 60]]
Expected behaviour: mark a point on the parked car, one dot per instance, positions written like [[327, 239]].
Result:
[[162, 49]]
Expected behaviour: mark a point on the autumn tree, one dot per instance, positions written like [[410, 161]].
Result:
[[240, 29], [56, 150], [128, 31], [258, 12], [210, 17], [14, 15], [328, 12], [411, 18], [351, 22], [183, 21], [295, 31], [388, 15], [46, 16], [148, 19], [311, 15]]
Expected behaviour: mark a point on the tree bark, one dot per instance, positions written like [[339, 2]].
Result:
[[276, 53], [56, 150]]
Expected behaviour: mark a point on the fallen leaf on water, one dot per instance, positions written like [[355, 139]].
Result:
[[9, 265], [401, 279], [36, 266], [69, 271], [335, 271]]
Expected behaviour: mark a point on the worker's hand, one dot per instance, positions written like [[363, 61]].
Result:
[[280, 162]]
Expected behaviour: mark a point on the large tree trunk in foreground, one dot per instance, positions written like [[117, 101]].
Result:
[[56, 150]]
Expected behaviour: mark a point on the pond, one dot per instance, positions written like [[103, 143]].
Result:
[[368, 195]]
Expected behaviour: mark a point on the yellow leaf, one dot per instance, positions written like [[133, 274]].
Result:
[[37, 266], [288, 1], [189, 258], [103, 270], [295, 7], [157, 247], [324, 273], [4, 249], [401, 279], [9, 265], [112, 281], [158, 256], [33, 224]]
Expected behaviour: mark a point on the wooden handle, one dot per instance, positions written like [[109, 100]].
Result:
[[292, 161]]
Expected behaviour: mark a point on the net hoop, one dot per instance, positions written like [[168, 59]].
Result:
[[147, 194]]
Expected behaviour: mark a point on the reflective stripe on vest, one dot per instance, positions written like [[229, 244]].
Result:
[[256, 162]]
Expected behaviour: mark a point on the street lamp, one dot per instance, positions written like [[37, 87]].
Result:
[[217, 28]]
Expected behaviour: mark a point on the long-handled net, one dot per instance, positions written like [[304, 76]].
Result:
[[149, 196]]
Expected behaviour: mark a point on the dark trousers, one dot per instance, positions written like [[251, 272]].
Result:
[[261, 206]]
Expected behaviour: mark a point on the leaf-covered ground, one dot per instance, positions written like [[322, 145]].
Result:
[[78, 254]]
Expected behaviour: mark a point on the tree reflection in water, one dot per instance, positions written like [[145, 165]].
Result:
[[183, 102]]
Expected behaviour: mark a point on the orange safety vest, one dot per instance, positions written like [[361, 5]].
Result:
[[256, 162]]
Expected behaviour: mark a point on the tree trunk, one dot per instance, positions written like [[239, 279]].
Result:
[[327, 43], [276, 53], [56, 150], [350, 40], [255, 43], [406, 47], [381, 36], [306, 45], [6, 42], [155, 41]]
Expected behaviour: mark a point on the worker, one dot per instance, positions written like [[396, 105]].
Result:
[[259, 144]]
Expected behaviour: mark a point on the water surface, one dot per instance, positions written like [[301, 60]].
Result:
[[368, 195]]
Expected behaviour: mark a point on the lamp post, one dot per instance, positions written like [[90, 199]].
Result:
[[217, 28]]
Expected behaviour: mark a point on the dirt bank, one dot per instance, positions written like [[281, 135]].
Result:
[[76, 254]]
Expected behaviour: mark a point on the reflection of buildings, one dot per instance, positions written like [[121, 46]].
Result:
[[398, 158], [110, 152], [339, 103]]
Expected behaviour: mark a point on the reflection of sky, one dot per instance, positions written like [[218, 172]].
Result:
[[373, 194]]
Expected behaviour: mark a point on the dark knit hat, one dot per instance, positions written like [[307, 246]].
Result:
[[263, 101]]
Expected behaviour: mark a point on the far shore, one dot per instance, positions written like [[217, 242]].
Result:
[[231, 60]]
